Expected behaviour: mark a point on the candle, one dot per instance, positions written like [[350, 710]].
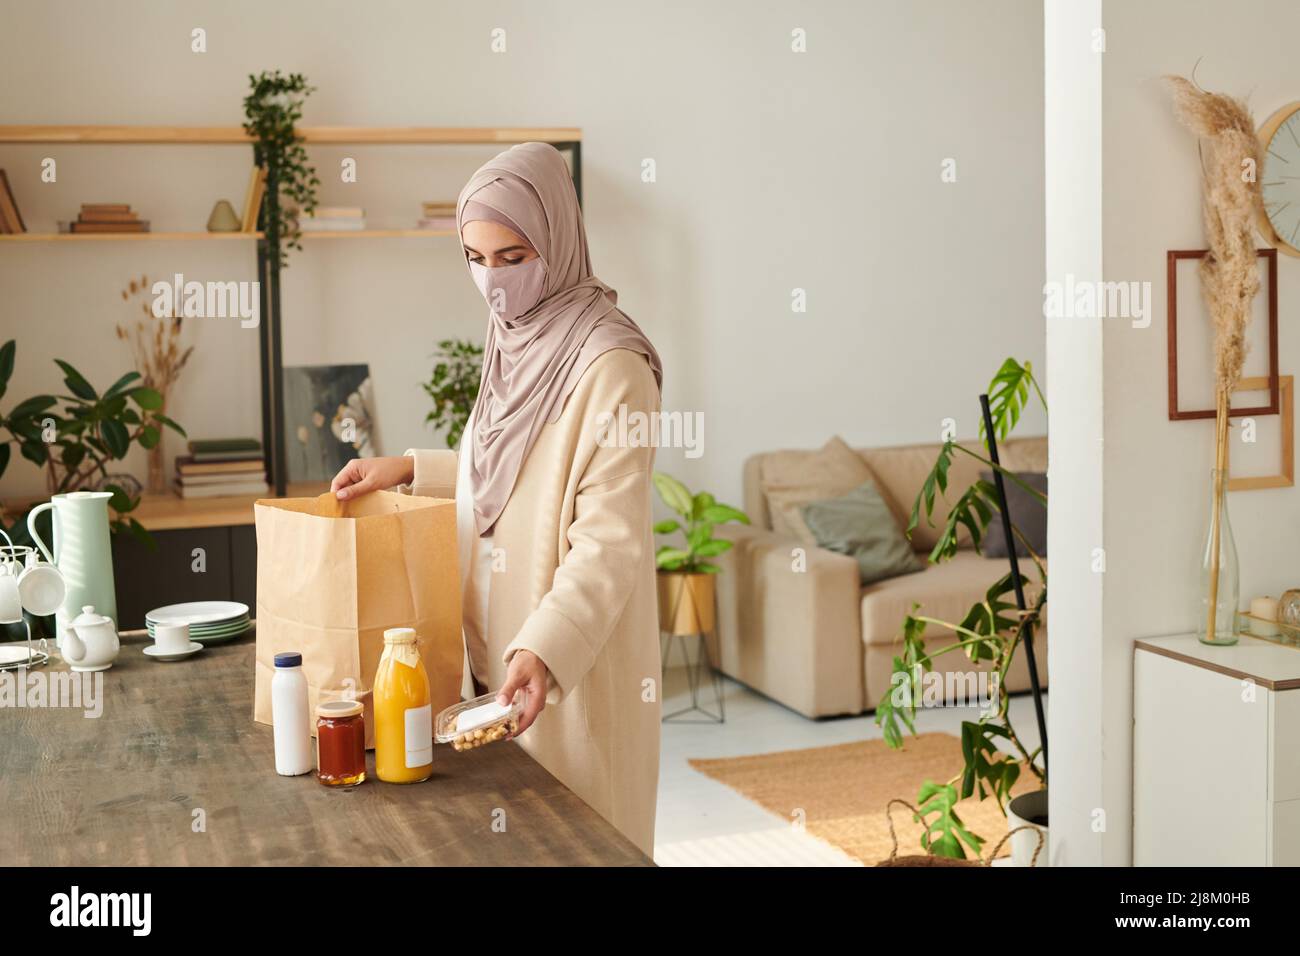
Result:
[[1263, 617]]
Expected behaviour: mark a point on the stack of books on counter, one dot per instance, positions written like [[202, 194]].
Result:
[[106, 217], [439, 215], [333, 219], [221, 466]]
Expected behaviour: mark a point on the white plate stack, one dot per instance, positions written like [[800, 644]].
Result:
[[211, 622]]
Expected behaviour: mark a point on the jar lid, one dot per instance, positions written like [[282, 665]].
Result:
[[288, 659], [399, 635], [334, 709]]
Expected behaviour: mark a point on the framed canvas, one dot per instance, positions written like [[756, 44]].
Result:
[[328, 419]]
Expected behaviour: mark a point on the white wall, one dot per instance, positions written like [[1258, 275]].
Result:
[[1155, 472], [775, 170]]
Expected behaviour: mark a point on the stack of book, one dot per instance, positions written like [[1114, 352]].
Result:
[[333, 219], [11, 221], [221, 466], [106, 217], [439, 215]]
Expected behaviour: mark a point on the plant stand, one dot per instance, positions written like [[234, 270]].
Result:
[[697, 673]]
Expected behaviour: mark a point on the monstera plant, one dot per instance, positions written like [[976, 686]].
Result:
[[991, 634]]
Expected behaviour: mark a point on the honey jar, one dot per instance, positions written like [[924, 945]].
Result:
[[340, 743]]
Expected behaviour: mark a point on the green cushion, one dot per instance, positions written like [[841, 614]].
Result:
[[861, 525]]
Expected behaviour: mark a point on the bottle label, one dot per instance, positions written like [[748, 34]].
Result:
[[419, 736]]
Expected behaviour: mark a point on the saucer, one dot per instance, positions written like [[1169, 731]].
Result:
[[153, 651]]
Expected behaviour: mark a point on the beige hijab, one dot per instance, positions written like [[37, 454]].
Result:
[[531, 365]]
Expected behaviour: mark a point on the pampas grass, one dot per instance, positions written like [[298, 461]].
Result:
[[1230, 196]]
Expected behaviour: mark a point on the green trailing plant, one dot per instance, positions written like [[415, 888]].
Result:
[[994, 757], [76, 443], [454, 386], [272, 110], [700, 513]]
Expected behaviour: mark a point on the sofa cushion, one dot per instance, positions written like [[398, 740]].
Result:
[[945, 591], [792, 479], [861, 526], [1028, 517]]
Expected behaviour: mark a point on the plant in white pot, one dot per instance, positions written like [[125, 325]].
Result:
[[686, 603]]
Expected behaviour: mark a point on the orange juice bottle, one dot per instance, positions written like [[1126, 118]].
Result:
[[403, 711]]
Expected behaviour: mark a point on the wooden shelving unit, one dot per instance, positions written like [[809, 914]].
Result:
[[203, 236], [318, 135], [164, 513], [126, 236]]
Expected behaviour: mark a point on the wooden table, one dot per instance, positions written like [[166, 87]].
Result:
[[176, 738]]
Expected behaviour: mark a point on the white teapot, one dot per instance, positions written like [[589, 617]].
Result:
[[90, 641]]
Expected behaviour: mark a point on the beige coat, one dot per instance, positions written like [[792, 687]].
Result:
[[578, 590]]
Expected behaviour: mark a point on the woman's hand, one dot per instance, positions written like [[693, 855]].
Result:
[[362, 475], [526, 672]]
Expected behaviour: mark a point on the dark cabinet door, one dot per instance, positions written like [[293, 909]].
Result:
[[243, 565], [192, 564]]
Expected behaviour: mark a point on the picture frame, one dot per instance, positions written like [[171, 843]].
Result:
[[1173, 257], [1286, 395]]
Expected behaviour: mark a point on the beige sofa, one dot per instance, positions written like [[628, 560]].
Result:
[[818, 641]]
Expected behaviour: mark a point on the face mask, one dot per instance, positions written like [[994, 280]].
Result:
[[510, 290]]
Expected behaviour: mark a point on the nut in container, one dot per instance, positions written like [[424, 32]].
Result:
[[473, 723]]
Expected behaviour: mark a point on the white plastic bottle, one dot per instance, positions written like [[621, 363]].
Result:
[[289, 716]]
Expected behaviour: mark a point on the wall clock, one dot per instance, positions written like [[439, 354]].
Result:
[[1279, 139]]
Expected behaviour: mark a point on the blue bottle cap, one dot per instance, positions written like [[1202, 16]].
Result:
[[288, 659]]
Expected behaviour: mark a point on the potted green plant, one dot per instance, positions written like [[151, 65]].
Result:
[[992, 633], [454, 386], [271, 113], [77, 443], [686, 595]]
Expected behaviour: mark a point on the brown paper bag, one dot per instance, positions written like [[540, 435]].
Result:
[[332, 576]]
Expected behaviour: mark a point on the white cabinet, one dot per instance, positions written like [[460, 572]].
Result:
[[1216, 753]]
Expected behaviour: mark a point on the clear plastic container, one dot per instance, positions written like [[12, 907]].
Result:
[[473, 723]]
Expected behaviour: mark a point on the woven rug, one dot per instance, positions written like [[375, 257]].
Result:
[[842, 791]]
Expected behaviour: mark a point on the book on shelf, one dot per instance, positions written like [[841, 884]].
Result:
[[139, 225], [224, 444], [11, 220], [186, 466], [338, 212], [253, 198], [253, 476], [437, 223], [108, 215], [331, 225], [222, 490], [434, 209]]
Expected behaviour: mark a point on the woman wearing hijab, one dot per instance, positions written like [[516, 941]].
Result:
[[552, 513]]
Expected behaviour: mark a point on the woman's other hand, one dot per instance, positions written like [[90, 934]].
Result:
[[526, 672], [362, 475]]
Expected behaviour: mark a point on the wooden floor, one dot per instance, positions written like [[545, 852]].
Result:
[[176, 745]]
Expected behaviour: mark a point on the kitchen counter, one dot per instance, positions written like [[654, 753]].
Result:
[[175, 772]]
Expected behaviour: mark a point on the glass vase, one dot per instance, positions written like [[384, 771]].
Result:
[[1224, 572]]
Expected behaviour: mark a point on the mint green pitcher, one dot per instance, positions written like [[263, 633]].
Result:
[[82, 552]]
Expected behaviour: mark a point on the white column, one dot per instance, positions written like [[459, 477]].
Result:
[[1074, 379]]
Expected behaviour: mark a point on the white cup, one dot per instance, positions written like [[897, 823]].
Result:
[[11, 605], [171, 638], [41, 587]]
